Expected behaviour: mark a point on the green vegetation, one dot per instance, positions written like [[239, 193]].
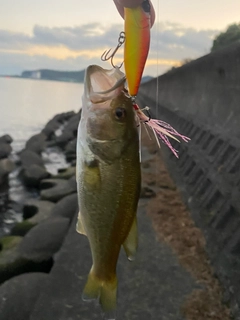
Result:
[[224, 39], [21, 228], [9, 242]]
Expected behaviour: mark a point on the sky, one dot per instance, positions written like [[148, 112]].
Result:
[[72, 34]]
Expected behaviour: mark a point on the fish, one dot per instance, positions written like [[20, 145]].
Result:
[[108, 180], [137, 27]]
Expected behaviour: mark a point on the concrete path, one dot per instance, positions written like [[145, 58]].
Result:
[[152, 287]]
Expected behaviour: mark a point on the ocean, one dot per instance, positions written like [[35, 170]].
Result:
[[25, 108], [26, 105]]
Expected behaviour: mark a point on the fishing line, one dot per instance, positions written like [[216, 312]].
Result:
[[157, 69], [157, 74]]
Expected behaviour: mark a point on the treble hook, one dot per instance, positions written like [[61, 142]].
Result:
[[106, 54]]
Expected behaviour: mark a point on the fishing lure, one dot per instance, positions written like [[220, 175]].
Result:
[[137, 41]]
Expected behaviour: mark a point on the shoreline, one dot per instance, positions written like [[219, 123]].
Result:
[[45, 255]]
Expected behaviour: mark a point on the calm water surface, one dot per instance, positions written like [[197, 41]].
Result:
[[26, 105], [25, 108]]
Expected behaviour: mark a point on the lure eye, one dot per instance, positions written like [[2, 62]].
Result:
[[120, 113], [146, 6]]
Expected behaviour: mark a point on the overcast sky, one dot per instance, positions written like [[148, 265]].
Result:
[[71, 34]]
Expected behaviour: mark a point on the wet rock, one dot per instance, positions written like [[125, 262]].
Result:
[[56, 189], [19, 295], [28, 158], [8, 257], [69, 132], [5, 150], [73, 123], [37, 143], [36, 211], [71, 146], [6, 139], [55, 123], [6, 166], [11, 262], [73, 183], [66, 207], [62, 117], [44, 240], [64, 138], [70, 150], [22, 228], [33, 175], [50, 128], [71, 157], [9, 242], [66, 173], [74, 163]]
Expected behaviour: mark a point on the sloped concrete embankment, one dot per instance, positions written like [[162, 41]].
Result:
[[201, 100]]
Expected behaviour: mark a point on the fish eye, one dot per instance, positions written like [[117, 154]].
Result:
[[120, 113], [146, 6]]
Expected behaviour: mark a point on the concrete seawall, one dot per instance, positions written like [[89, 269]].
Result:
[[202, 100]]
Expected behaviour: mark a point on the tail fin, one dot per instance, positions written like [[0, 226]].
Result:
[[104, 291]]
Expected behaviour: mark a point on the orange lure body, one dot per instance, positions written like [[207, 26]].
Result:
[[137, 41]]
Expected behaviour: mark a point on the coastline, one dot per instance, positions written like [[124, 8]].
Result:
[[45, 262]]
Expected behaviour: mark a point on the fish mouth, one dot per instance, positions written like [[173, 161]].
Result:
[[103, 84]]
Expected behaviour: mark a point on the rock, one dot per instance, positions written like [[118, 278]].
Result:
[[11, 262], [6, 139], [73, 183], [69, 132], [56, 189], [66, 207], [64, 138], [6, 166], [73, 123], [71, 146], [65, 173], [33, 174], [28, 157], [5, 150], [70, 150], [9, 242], [44, 240], [22, 228], [36, 211], [71, 157], [37, 143], [19, 295], [50, 128], [55, 123], [62, 117], [74, 163]]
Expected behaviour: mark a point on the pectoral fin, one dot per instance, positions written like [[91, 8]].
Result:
[[131, 242], [79, 226]]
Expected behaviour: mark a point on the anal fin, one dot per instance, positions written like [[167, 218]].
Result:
[[131, 242]]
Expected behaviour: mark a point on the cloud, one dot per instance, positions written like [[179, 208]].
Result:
[[76, 47], [176, 41]]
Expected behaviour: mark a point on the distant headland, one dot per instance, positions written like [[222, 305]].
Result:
[[54, 75]]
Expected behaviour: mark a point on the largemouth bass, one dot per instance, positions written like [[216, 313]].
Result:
[[108, 179]]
